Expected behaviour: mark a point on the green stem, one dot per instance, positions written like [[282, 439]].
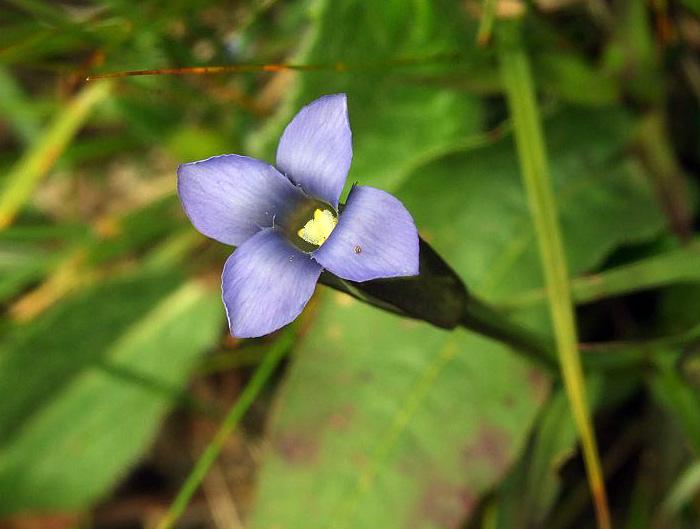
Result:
[[488, 15], [235, 414], [666, 174], [679, 265], [484, 320], [520, 92]]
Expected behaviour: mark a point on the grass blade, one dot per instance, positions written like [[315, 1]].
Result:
[[529, 139], [38, 160], [672, 267], [206, 460], [684, 490]]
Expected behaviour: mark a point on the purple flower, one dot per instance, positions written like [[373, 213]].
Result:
[[286, 223]]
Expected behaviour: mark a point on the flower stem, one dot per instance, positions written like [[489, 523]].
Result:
[[235, 414], [484, 320], [520, 93]]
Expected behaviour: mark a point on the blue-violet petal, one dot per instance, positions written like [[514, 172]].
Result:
[[266, 283], [315, 150], [230, 198], [375, 238]]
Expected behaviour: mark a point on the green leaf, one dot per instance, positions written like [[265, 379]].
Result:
[[20, 264], [528, 495], [415, 423], [553, 443], [16, 107], [684, 490], [84, 387], [680, 400], [471, 207], [676, 266], [397, 123], [194, 143], [408, 413], [568, 76]]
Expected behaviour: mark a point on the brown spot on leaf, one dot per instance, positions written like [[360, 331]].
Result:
[[444, 505], [365, 376], [360, 459], [490, 446], [509, 401], [340, 420], [538, 383], [296, 448], [596, 279]]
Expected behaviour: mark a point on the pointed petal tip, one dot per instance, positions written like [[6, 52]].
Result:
[[230, 197], [266, 283], [315, 150], [375, 238]]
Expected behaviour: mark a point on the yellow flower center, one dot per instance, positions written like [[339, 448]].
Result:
[[317, 229]]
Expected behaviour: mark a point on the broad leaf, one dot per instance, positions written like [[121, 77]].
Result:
[[414, 423], [388, 422], [83, 388], [471, 206]]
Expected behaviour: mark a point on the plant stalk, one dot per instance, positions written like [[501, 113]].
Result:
[[529, 139], [482, 319], [206, 460]]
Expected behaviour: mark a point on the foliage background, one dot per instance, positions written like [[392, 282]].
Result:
[[115, 361]]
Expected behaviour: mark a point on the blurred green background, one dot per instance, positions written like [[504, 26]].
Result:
[[116, 366]]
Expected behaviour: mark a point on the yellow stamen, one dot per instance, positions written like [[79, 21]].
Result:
[[317, 229]]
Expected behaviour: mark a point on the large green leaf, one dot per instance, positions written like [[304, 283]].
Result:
[[397, 122], [470, 206], [83, 388], [390, 423], [387, 422]]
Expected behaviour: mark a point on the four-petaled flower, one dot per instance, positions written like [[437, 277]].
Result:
[[286, 222]]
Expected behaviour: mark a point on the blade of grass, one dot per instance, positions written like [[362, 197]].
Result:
[[572, 505], [626, 355], [675, 266], [339, 67], [41, 156], [67, 275], [682, 493], [250, 355], [16, 108], [666, 173], [529, 139], [488, 15], [233, 417]]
